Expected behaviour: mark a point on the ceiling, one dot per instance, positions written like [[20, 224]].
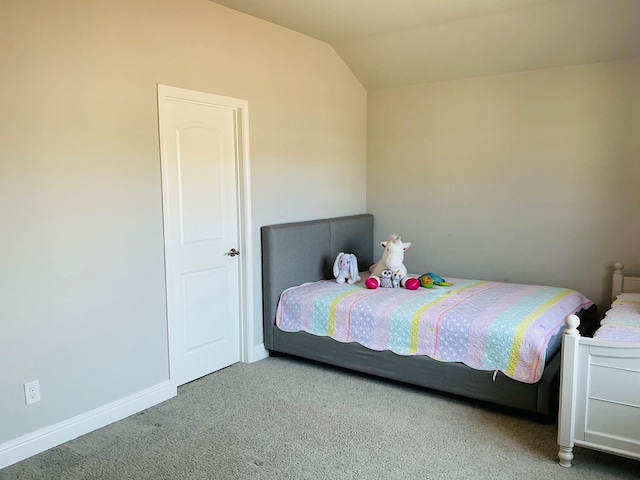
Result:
[[393, 43]]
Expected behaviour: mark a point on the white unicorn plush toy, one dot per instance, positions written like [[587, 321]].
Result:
[[392, 259], [345, 268]]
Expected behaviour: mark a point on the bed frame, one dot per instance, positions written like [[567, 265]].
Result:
[[296, 253], [600, 388]]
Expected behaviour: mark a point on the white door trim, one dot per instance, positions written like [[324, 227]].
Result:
[[245, 242]]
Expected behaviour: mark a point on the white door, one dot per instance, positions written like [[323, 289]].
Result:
[[198, 145]]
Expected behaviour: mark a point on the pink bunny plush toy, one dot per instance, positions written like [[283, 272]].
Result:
[[345, 268]]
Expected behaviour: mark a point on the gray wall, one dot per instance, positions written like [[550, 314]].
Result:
[[530, 177], [82, 285]]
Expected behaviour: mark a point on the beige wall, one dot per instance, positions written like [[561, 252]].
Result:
[[530, 177], [82, 285]]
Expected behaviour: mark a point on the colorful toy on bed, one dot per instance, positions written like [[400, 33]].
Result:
[[345, 268], [396, 279], [385, 279], [392, 259], [428, 280]]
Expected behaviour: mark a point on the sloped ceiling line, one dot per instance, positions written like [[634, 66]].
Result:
[[404, 42]]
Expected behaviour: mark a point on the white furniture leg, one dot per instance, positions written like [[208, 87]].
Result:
[[565, 455]]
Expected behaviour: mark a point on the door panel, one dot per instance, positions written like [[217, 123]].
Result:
[[200, 306], [201, 183]]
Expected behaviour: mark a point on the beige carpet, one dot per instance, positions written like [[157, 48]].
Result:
[[289, 419]]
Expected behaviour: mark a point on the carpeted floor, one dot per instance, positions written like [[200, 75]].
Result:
[[283, 418]]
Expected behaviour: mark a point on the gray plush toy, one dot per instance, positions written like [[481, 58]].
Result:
[[386, 280]]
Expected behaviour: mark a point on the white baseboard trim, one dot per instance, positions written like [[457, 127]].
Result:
[[36, 442], [259, 353]]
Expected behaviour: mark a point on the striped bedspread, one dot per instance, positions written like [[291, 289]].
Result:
[[622, 322], [486, 325]]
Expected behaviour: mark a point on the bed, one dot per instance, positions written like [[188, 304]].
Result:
[[297, 253], [600, 378]]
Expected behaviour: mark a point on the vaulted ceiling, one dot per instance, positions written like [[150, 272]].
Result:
[[393, 43]]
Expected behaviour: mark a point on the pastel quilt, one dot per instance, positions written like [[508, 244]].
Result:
[[486, 325], [622, 322]]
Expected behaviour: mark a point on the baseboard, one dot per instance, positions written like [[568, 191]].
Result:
[[54, 435], [259, 353]]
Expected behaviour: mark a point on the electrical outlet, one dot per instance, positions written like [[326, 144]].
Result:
[[32, 392]]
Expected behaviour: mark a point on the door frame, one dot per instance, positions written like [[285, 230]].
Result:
[[240, 108]]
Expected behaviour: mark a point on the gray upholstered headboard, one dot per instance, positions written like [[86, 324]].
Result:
[[295, 253]]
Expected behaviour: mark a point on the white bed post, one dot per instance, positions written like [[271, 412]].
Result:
[[617, 284], [568, 385]]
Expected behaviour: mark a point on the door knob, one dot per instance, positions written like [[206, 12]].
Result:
[[233, 252]]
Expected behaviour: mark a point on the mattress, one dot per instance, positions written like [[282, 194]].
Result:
[[492, 326]]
